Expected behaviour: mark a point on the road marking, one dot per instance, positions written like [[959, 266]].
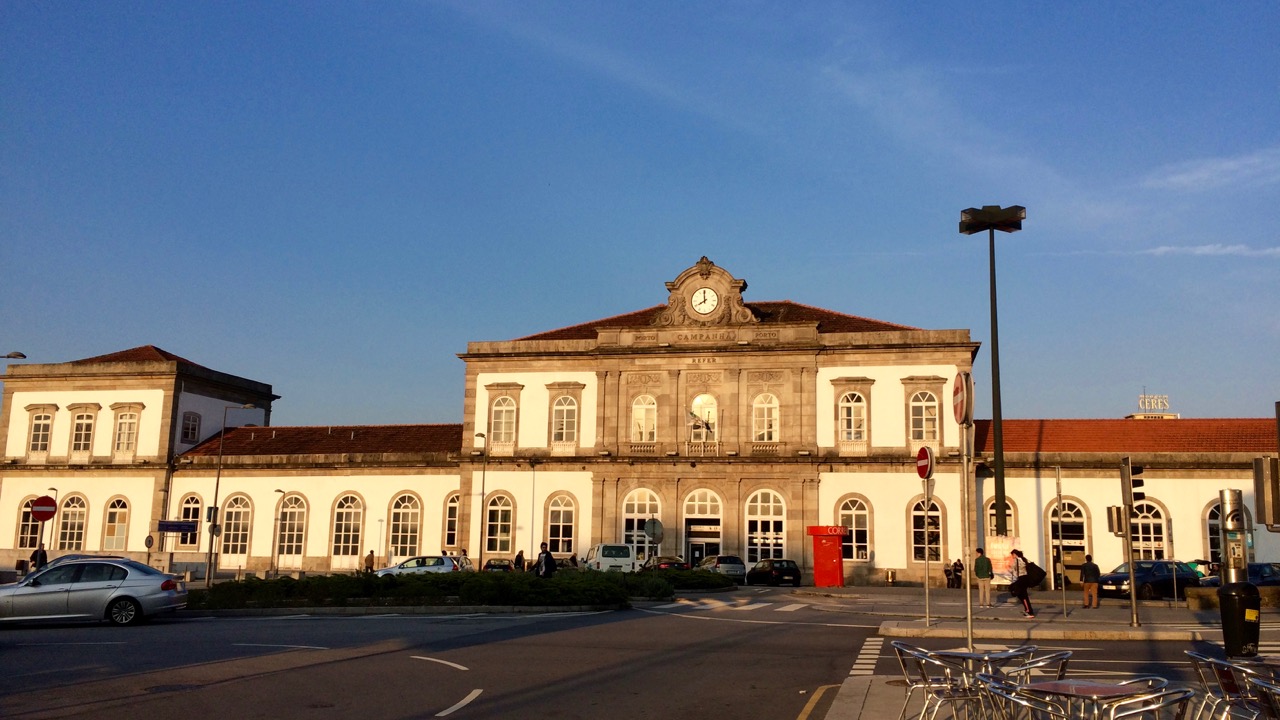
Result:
[[753, 606], [50, 644], [442, 662], [290, 647], [813, 701], [865, 663], [474, 694], [792, 608]]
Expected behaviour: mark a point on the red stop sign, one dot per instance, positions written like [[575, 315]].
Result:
[[924, 463], [44, 508]]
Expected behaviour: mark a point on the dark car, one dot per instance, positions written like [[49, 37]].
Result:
[[774, 571], [664, 562], [1259, 574], [499, 565], [1154, 578]]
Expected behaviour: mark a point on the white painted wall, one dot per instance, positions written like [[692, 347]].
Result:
[[888, 403], [535, 406], [149, 441]]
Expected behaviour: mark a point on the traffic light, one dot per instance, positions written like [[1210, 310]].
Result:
[[1131, 481]]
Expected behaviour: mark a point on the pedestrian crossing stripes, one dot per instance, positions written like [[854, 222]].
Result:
[[714, 604], [865, 664]]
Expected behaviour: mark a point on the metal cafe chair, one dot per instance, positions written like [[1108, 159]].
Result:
[[1227, 687], [1267, 694], [1017, 705], [916, 677], [1054, 663], [1170, 703], [955, 692]]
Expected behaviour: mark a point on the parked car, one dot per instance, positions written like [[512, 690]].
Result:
[[610, 557], [499, 565], [1154, 578], [121, 591], [664, 562], [429, 564], [1259, 574], [730, 565], [774, 571]]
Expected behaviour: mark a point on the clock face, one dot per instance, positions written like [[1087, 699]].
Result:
[[704, 301]]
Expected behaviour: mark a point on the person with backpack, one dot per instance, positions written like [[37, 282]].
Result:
[[1021, 583]]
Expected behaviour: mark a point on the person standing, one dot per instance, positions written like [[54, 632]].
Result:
[[519, 562], [1090, 576], [982, 571], [39, 558], [368, 562], [1019, 585], [957, 574], [545, 566]]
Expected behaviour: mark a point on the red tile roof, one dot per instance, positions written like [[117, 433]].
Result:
[[1230, 435], [144, 353], [333, 440], [768, 313]]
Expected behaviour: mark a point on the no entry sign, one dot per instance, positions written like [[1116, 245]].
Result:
[[924, 463], [44, 508]]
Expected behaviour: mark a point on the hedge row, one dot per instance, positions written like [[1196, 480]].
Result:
[[465, 588]]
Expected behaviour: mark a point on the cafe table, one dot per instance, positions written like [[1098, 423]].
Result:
[[1089, 697]]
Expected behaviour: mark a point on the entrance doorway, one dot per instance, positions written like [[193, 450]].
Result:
[[702, 539]]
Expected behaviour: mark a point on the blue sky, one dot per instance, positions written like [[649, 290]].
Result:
[[335, 197]]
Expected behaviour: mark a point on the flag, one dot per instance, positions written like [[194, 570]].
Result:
[[695, 422]]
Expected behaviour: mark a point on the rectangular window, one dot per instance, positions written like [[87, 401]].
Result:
[[117, 526], [71, 529], [451, 523], [82, 433], [41, 431], [190, 428], [28, 529], [127, 432]]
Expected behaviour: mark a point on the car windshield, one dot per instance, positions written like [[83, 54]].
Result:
[[615, 551], [730, 560]]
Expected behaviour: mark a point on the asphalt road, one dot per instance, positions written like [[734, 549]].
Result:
[[769, 656]]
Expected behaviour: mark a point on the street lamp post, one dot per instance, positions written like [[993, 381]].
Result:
[[975, 220], [484, 469], [214, 529], [533, 502], [275, 545]]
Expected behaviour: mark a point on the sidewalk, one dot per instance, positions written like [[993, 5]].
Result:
[[873, 697]]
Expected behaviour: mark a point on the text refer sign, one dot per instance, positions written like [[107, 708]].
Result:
[[44, 508], [177, 526]]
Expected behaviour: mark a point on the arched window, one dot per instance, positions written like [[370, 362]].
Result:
[[237, 518], [766, 526], [1147, 531], [764, 418], [41, 431], [564, 420], [852, 415], [293, 526], [702, 503], [406, 519], [190, 513], [503, 427], [1010, 518], [639, 506], [71, 524], [126, 432], [497, 525], [644, 419], [560, 516], [926, 531], [702, 419], [116, 526], [452, 506], [924, 417], [853, 514], [28, 527], [1068, 528], [348, 519]]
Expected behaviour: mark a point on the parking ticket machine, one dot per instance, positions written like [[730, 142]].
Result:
[[1233, 529]]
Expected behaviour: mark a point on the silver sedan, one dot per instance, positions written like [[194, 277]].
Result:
[[121, 591]]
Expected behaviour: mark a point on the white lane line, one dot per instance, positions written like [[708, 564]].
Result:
[[290, 647], [792, 608], [669, 605], [438, 660], [753, 606], [474, 694], [51, 644]]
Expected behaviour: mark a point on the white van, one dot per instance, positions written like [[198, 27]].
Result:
[[611, 557]]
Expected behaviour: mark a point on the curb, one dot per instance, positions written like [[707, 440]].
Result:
[[1034, 631]]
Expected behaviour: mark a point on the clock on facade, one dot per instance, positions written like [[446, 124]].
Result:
[[705, 301]]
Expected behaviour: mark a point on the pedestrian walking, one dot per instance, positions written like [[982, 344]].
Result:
[[545, 566], [519, 561], [368, 562], [39, 558], [982, 571], [1090, 576], [1020, 583]]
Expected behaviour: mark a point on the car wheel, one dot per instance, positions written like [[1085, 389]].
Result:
[[124, 611], [1146, 592]]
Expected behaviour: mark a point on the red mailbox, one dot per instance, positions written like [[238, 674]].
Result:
[[828, 560]]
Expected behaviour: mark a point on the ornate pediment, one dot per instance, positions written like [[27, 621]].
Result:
[[705, 295]]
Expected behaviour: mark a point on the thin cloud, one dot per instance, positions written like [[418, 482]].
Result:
[[1253, 170], [1214, 250]]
